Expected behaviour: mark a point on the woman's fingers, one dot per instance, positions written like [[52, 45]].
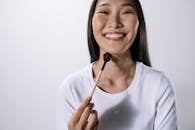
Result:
[[93, 121], [85, 115], [77, 114], [84, 118]]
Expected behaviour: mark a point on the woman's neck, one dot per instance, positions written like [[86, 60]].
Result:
[[117, 74], [118, 66]]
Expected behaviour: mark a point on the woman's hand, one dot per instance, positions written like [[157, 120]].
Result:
[[84, 118]]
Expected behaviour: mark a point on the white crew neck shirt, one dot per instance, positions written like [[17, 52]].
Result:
[[147, 104]]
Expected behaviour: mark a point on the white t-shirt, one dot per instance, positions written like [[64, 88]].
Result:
[[147, 104]]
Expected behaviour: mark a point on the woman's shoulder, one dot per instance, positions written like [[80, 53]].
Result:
[[155, 80], [151, 72], [154, 77], [75, 84], [78, 75]]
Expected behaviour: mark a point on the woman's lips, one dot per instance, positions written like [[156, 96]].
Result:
[[114, 36]]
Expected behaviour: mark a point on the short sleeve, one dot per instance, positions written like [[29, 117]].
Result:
[[166, 117], [64, 106]]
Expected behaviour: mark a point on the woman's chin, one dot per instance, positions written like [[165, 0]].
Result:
[[117, 52]]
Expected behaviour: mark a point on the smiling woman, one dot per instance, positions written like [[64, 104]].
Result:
[[130, 95], [115, 26]]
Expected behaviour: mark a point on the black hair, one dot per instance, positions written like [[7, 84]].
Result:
[[139, 48]]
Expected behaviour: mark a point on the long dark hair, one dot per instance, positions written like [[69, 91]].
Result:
[[139, 48]]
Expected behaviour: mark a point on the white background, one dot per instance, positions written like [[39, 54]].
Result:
[[41, 41]]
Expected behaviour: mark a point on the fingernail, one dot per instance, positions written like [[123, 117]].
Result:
[[89, 98], [91, 105]]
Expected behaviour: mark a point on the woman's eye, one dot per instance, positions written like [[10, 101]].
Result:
[[127, 12], [103, 12]]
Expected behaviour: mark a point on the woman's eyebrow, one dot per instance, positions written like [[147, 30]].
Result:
[[104, 4], [107, 4], [127, 4]]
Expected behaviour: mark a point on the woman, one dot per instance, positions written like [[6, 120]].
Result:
[[130, 94]]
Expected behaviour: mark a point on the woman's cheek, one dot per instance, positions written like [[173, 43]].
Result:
[[98, 22]]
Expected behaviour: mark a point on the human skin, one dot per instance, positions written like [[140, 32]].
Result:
[[115, 26], [79, 119]]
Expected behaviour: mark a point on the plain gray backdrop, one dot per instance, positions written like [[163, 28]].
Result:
[[42, 41]]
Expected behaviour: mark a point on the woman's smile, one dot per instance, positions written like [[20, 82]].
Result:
[[115, 25], [114, 36]]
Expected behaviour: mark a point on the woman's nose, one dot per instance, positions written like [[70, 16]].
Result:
[[114, 21]]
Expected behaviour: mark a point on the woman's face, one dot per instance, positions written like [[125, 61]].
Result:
[[115, 26]]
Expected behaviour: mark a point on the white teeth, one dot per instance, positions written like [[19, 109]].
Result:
[[114, 36]]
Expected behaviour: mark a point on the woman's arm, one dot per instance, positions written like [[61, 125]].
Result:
[[166, 117]]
